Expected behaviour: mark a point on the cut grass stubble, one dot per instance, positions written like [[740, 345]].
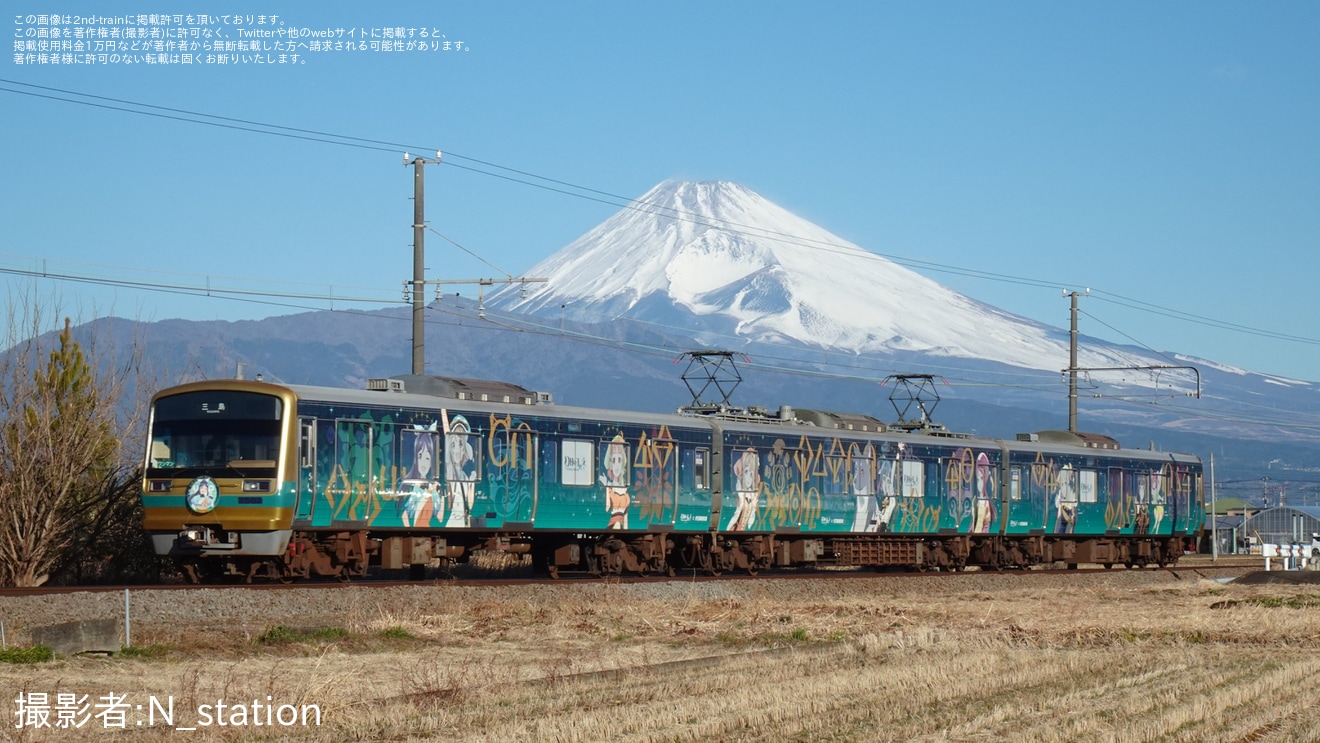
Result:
[[1097, 659]]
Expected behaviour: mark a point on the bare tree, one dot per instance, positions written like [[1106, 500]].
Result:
[[63, 442]]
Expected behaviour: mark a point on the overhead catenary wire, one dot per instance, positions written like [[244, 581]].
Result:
[[556, 185], [1161, 354]]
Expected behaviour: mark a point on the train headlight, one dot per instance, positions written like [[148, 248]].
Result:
[[160, 486], [256, 486], [195, 536]]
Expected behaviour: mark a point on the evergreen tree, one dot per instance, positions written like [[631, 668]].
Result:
[[60, 457]]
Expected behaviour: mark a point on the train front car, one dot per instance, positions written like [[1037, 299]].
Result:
[[220, 484]]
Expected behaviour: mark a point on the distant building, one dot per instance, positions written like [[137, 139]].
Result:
[[1282, 525], [1228, 529]]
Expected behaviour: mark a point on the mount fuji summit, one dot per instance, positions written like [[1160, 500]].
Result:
[[732, 267]]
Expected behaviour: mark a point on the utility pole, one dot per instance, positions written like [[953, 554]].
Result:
[[412, 290], [1072, 363], [419, 261], [1073, 368], [1214, 515]]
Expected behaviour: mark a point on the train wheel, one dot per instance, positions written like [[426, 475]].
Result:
[[707, 564], [661, 566], [281, 572]]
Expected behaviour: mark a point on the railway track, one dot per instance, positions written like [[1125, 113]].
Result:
[[1203, 568]]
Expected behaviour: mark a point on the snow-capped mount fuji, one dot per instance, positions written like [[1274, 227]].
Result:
[[721, 260]]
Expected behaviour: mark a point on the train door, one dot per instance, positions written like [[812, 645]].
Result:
[[306, 468], [512, 472], [1180, 499], [715, 477], [350, 491], [655, 481], [547, 473], [1013, 521], [691, 505]]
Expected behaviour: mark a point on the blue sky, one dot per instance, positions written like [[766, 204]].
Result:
[[1164, 153]]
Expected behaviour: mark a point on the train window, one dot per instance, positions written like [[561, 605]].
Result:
[[462, 455], [745, 464], [1087, 492], [887, 479], [1158, 488], [549, 460], [307, 442], [1067, 485], [576, 463], [1015, 484], [701, 480], [914, 479], [1117, 486], [614, 463], [836, 475], [418, 454], [862, 470], [160, 454], [216, 405]]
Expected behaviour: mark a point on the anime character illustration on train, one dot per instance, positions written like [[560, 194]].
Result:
[[418, 472], [418, 495]]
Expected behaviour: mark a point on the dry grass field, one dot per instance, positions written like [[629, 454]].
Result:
[[1118, 656]]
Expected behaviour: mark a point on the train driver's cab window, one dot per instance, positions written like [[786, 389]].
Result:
[[577, 463], [160, 453]]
